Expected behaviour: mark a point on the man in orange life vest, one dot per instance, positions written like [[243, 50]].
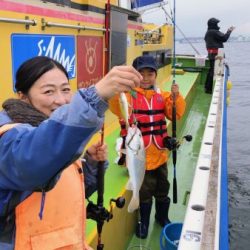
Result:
[[214, 40], [149, 107]]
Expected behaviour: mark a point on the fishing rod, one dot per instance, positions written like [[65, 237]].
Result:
[[100, 193], [100, 187], [175, 142], [179, 29], [171, 18], [97, 211], [174, 152]]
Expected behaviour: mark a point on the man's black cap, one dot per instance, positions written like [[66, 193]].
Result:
[[142, 62]]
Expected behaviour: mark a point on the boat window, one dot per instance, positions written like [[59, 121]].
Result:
[[118, 45]]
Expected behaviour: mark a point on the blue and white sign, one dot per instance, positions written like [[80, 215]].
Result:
[[138, 4], [60, 48]]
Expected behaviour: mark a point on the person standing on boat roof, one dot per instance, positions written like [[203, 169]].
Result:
[[149, 108], [214, 39], [42, 135]]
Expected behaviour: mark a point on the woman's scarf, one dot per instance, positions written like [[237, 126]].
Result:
[[22, 112]]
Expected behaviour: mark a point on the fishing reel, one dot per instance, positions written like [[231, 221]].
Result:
[[171, 143], [100, 213]]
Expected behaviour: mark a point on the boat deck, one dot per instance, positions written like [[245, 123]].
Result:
[[116, 176]]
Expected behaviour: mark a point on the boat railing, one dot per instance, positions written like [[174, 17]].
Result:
[[25, 21], [69, 26], [200, 223]]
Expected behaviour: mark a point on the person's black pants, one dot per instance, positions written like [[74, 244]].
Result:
[[210, 74], [155, 184]]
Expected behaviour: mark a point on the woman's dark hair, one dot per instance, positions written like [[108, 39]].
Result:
[[33, 69]]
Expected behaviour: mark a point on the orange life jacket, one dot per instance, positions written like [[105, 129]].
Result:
[[64, 215], [151, 118]]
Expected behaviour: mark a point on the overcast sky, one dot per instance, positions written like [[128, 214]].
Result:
[[192, 15]]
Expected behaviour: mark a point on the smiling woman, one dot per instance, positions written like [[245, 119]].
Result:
[[47, 88], [40, 151]]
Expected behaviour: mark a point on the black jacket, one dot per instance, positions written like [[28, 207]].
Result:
[[215, 39]]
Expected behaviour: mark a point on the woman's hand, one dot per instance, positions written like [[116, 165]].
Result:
[[118, 79], [98, 152]]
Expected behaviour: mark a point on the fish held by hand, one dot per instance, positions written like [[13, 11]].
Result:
[[135, 161], [124, 107]]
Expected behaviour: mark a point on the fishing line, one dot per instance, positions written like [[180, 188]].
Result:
[[174, 53], [178, 28], [133, 96]]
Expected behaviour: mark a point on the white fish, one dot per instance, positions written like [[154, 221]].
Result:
[[124, 107], [135, 162], [118, 149]]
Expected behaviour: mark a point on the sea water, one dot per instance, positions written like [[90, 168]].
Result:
[[238, 59]]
